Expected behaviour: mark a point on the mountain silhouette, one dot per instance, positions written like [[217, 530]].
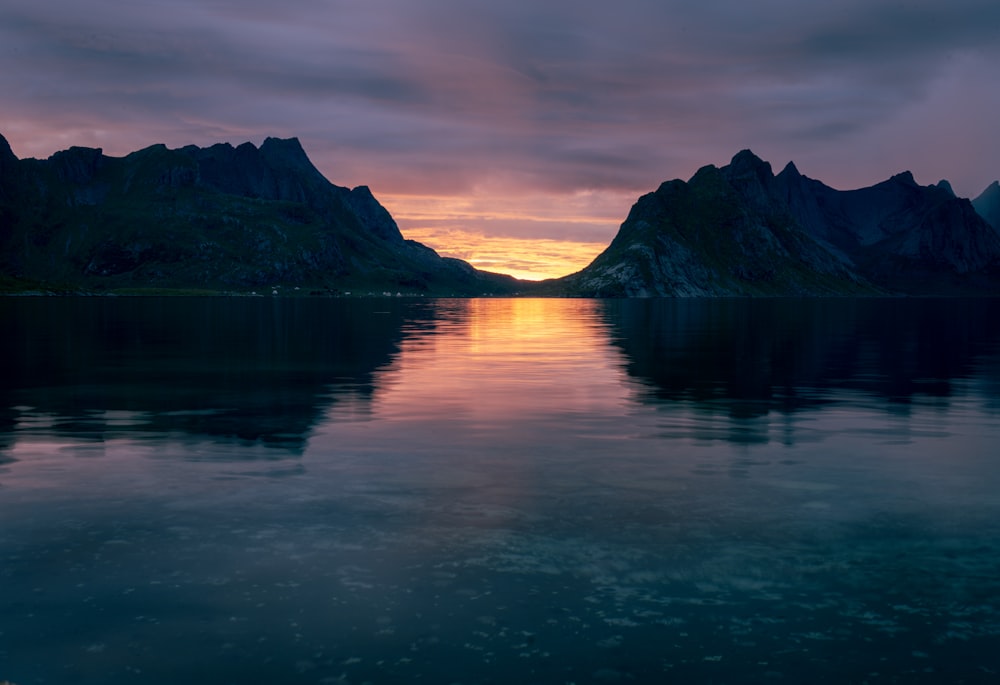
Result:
[[741, 230], [221, 218], [232, 219]]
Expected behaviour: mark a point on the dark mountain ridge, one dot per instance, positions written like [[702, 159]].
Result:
[[216, 218], [227, 218], [741, 230]]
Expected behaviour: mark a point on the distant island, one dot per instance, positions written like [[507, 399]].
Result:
[[249, 220]]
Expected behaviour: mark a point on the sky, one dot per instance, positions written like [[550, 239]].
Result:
[[517, 134]]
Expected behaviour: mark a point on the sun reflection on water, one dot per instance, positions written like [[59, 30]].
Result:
[[505, 358]]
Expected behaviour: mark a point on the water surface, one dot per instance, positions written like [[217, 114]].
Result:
[[494, 491]]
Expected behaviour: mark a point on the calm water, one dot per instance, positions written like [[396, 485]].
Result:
[[499, 491]]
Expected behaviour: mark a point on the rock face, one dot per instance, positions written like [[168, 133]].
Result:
[[220, 218], [740, 230], [988, 205], [8, 165]]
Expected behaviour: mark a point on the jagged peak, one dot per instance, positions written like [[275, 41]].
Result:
[[292, 143], [707, 170], [669, 186], [157, 147], [746, 154], [5, 151], [904, 177], [78, 157], [288, 151], [289, 148], [944, 185], [78, 151], [155, 151], [791, 170], [746, 163], [78, 164]]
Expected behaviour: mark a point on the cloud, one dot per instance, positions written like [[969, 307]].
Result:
[[450, 97]]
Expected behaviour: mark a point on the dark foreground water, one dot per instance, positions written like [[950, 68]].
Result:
[[499, 491]]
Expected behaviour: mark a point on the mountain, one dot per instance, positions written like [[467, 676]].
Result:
[[221, 218], [238, 219], [988, 205], [741, 230]]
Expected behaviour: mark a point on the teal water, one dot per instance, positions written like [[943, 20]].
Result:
[[499, 491]]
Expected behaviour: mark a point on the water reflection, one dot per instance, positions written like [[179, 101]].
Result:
[[265, 373], [236, 371], [492, 362], [748, 358], [498, 491]]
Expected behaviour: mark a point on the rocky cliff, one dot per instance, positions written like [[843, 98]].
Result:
[[217, 218], [988, 205], [741, 230]]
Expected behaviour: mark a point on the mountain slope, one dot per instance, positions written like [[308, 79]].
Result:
[[718, 234], [988, 205], [900, 235], [222, 218], [740, 230]]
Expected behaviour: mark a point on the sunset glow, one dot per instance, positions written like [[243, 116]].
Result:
[[514, 344], [532, 236], [516, 121], [525, 258]]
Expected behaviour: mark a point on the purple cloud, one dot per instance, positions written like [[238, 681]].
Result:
[[448, 97]]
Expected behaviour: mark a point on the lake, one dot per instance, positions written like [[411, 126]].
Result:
[[237, 490]]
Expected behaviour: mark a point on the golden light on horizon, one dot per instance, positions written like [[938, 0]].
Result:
[[532, 259], [532, 237]]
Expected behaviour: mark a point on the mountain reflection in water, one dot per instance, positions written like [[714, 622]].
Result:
[[239, 370], [266, 371], [742, 360], [499, 490], [756, 356]]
